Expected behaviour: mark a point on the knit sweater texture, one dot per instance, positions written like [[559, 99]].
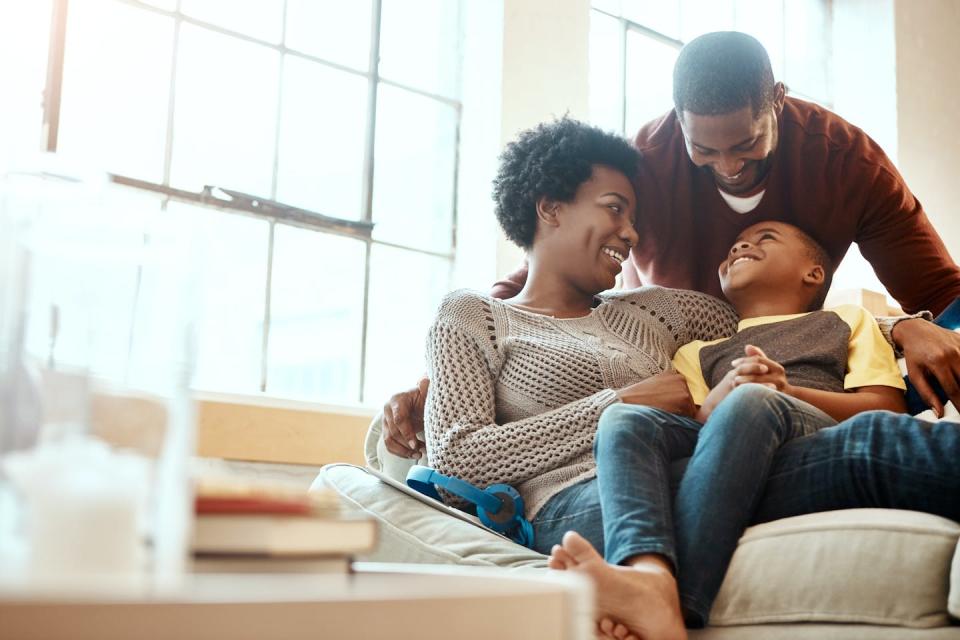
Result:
[[515, 396]]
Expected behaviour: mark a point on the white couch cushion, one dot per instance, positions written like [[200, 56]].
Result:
[[878, 566], [411, 531]]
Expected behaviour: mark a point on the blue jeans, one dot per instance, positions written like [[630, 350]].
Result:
[[761, 456]]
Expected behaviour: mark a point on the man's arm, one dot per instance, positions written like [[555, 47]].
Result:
[[511, 284], [897, 238]]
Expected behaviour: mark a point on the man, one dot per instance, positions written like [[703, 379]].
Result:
[[735, 150]]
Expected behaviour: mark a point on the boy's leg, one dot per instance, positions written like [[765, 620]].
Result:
[[634, 448], [874, 459], [641, 453], [724, 482]]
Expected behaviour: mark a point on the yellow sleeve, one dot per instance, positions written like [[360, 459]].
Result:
[[870, 360], [687, 363]]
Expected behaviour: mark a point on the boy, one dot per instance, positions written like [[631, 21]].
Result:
[[776, 276]]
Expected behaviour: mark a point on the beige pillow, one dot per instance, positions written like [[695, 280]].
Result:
[[878, 566]]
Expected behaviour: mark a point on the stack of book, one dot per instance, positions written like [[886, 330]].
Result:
[[258, 527]]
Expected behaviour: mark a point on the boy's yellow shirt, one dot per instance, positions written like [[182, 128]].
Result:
[[870, 359]]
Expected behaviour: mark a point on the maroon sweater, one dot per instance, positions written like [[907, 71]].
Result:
[[828, 178]]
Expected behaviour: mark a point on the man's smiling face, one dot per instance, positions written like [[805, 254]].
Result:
[[736, 147]]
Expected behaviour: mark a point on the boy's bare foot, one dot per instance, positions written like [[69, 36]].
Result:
[[641, 599], [610, 630]]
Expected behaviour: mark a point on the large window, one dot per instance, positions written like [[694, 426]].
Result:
[[634, 45], [330, 131]]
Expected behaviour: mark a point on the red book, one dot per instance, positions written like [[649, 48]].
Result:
[[252, 504]]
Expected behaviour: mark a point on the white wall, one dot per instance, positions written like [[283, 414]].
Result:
[[895, 76], [928, 108], [545, 74], [864, 88], [477, 229]]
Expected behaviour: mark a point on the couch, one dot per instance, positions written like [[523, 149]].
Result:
[[849, 574]]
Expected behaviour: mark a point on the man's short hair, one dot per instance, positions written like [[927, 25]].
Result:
[[723, 72], [818, 255]]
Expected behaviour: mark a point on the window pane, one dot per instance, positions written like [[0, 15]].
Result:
[[807, 47], [116, 83], [763, 20], [316, 307], [84, 250], [262, 19], [169, 5], [413, 177], [225, 116], [405, 291], [698, 17], [331, 29], [606, 72], [612, 7], [659, 15], [24, 28], [167, 299], [321, 140], [649, 79], [231, 279], [419, 44]]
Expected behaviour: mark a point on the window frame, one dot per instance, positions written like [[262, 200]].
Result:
[[265, 206], [627, 25]]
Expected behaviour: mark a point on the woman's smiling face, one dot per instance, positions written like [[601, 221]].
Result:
[[597, 229]]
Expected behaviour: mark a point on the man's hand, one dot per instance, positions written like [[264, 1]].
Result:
[[666, 391], [403, 420], [756, 367], [931, 353]]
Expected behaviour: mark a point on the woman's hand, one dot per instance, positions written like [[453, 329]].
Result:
[[666, 391]]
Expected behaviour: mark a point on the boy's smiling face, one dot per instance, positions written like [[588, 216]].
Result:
[[768, 256]]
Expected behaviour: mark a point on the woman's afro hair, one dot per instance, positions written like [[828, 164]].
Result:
[[552, 160]]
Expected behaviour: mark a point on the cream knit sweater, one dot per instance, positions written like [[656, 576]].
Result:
[[515, 396]]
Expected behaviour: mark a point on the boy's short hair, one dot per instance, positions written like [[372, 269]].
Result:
[[819, 255]]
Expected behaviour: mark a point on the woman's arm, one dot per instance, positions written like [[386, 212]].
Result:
[[706, 318], [463, 437]]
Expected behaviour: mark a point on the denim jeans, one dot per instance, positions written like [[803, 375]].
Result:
[[761, 456], [637, 492]]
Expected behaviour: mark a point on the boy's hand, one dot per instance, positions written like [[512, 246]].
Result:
[[756, 367]]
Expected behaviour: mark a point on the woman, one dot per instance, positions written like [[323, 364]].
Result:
[[518, 386]]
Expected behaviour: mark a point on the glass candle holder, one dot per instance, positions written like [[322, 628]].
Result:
[[96, 424]]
